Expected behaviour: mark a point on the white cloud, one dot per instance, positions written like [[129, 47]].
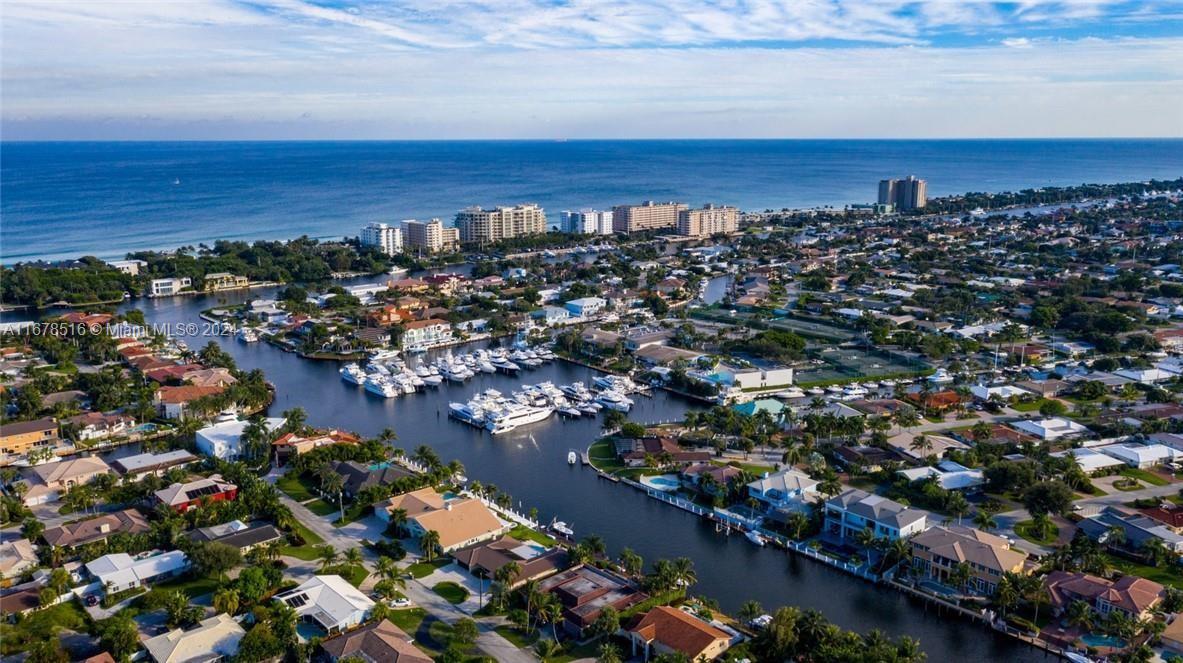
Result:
[[524, 68]]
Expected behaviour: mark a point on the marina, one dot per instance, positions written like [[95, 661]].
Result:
[[530, 463]]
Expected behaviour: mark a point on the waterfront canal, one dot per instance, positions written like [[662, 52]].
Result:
[[530, 464]]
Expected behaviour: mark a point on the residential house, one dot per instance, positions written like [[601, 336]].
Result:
[[190, 495], [585, 591], [1052, 428], [120, 571], [174, 402], [49, 481], [668, 630], [223, 439], [99, 425], [1139, 455], [586, 307], [1137, 529], [153, 463], [359, 476], [787, 489], [459, 521], [21, 437], [426, 333], [170, 286], [330, 602], [708, 477], [635, 452], [291, 444], [128, 521], [377, 642], [948, 475], [856, 510], [216, 281], [238, 534], [533, 561], [214, 639], [1169, 514], [938, 551], [1172, 638], [1089, 460], [1132, 595], [16, 557]]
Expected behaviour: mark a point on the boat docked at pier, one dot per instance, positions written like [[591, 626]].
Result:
[[353, 374], [515, 415]]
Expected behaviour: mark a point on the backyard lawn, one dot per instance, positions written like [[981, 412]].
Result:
[[305, 552], [191, 586], [1026, 529], [451, 592], [295, 487], [1164, 575], [523, 533]]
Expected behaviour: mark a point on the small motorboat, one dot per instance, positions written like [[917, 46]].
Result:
[[561, 527], [572, 458], [754, 537]]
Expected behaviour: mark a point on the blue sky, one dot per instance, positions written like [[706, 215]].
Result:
[[280, 69]]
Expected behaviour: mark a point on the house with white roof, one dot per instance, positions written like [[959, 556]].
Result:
[[119, 571], [1140, 455], [1145, 375], [948, 474], [223, 439], [785, 489], [330, 602], [586, 307], [214, 639], [1004, 391], [1090, 460], [1052, 428]]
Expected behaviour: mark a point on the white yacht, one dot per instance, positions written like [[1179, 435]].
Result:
[[385, 354], [562, 528], [614, 400], [382, 386], [433, 380], [352, 373], [514, 415], [469, 412], [941, 376], [247, 335], [416, 349]]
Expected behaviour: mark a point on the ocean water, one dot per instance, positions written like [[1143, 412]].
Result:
[[63, 200]]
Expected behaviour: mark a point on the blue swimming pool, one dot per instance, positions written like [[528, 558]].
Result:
[[662, 482], [1097, 640]]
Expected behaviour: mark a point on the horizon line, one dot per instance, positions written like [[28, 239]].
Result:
[[585, 140]]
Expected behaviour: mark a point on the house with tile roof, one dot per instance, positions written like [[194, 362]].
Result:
[[377, 642], [667, 630], [533, 561], [1134, 596], [214, 639], [171, 402], [82, 532], [49, 481], [459, 521], [938, 551]]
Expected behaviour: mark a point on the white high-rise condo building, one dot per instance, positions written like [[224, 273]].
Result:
[[906, 194], [430, 236], [587, 222], [388, 239], [481, 226], [646, 216], [707, 221]]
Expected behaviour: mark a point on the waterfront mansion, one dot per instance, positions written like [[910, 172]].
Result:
[[856, 510]]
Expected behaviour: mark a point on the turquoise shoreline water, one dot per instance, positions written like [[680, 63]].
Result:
[[61, 200]]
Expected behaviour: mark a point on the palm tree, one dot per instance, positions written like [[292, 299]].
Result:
[[984, 520], [631, 562], [430, 543], [797, 522], [866, 538], [335, 484], [353, 556], [922, 445], [548, 650], [504, 577], [550, 611], [387, 568], [398, 520], [960, 576], [684, 572], [957, 505], [830, 485], [750, 610], [327, 556], [227, 601], [387, 435], [793, 454], [1080, 615]]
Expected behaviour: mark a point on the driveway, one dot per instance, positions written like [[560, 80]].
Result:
[[454, 573]]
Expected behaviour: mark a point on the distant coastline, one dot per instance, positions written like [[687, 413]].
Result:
[[65, 199]]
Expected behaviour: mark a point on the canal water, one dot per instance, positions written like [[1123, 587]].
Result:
[[531, 465]]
